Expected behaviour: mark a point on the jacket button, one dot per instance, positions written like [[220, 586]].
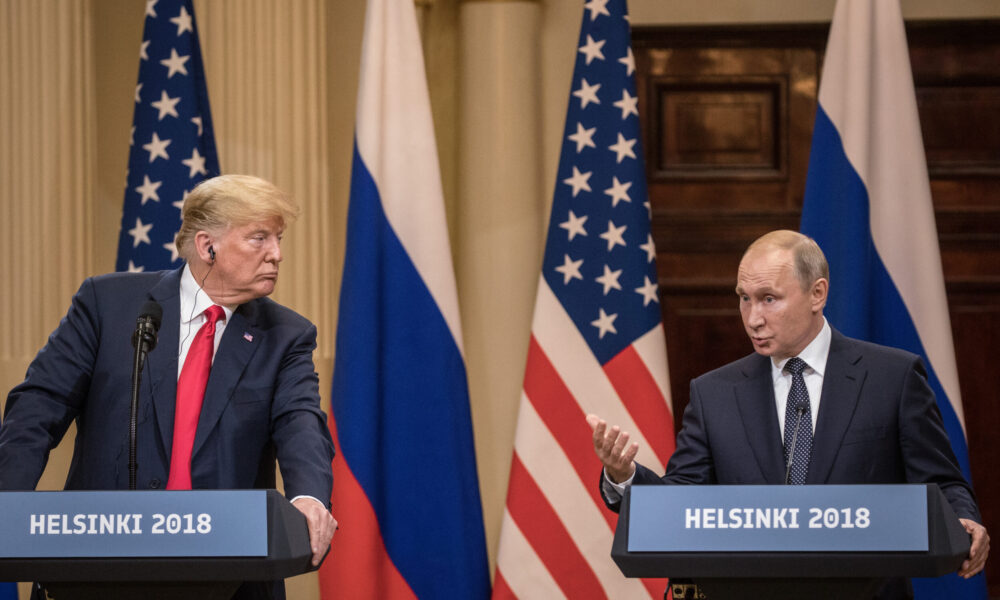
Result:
[[154, 484]]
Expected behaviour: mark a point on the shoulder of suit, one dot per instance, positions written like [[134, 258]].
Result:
[[863, 350], [123, 284], [125, 279], [738, 370], [265, 310]]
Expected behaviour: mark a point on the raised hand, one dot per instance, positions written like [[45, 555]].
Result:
[[614, 450]]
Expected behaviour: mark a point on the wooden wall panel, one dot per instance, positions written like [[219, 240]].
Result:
[[728, 115], [718, 129]]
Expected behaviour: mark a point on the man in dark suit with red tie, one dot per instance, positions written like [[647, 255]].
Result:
[[229, 388], [874, 416]]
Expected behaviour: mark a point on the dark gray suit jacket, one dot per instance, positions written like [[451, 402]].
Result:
[[878, 422], [261, 403]]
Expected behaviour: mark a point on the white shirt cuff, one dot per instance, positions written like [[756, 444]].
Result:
[[311, 498], [613, 492]]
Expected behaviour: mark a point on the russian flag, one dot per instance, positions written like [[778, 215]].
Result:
[[406, 492], [868, 205], [8, 591]]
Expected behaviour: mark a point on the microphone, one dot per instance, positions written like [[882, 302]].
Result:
[[143, 340], [800, 408], [146, 326]]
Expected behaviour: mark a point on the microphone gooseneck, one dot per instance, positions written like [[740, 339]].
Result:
[[143, 340], [800, 409]]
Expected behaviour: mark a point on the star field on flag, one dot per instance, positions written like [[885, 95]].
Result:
[[172, 145], [599, 223], [597, 341]]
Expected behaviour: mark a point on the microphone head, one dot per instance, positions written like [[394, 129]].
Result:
[[147, 324], [154, 312]]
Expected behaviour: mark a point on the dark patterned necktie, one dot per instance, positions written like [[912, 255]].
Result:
[[798, 424]]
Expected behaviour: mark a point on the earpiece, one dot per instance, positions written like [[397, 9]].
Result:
[[211, 253]]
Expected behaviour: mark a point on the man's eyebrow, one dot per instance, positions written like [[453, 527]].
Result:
[[764, 291]]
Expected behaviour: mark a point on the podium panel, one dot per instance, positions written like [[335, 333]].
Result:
[[167, 544], [826, 550]]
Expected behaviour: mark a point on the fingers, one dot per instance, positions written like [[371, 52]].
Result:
[[600, 433], [600, 430], [321, 526], [979, 551], [324, 535], [613, 448], [630, 453]]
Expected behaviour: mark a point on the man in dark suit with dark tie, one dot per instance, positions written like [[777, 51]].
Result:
[[874, 416], [229, 388]]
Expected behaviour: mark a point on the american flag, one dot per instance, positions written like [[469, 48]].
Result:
[[597, 343], [172, 146]]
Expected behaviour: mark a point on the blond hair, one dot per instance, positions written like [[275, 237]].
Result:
[[225, 201]]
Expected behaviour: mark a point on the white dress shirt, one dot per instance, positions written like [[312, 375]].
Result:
[[814, 355], [194, 302]]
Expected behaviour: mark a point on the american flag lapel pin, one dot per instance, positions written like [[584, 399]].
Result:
[[247, 336]]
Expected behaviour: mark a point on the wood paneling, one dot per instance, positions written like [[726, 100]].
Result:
[[728, 115], [718, 129]]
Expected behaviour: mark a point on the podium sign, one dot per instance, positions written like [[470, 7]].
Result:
[[91, 524], [846, 540], [778, 518]]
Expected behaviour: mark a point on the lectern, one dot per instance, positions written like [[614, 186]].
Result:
[[826, 541], [150, 545]]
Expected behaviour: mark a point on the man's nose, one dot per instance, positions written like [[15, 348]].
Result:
[[755, 318], [274, 252]]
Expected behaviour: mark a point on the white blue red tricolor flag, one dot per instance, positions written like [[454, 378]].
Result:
[[8, 590], [868, 205], [172, 146], [406, 491], [597, 342]]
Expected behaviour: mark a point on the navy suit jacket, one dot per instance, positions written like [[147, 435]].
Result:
[[261, 402], [878, 422]]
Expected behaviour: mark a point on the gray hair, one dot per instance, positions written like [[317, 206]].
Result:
[[810, 262]]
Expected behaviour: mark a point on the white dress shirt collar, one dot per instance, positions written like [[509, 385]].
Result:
[[194, 300], [814, 354]]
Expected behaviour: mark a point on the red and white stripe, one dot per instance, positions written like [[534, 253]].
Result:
[[556, 535]]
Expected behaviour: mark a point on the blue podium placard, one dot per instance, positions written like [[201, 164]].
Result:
[[778, 518], [133, 524]]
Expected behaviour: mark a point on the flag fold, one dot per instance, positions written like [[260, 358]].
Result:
[[597, 343], [868, 205], [406, 489]]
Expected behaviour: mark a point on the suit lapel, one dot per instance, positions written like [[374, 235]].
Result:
[[755, 398], [162, 362], [239, 342], [842, 382]]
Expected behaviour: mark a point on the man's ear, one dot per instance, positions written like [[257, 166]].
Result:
[[818, 294], [204, 247]]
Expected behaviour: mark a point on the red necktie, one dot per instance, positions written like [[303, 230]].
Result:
[[190, 394]]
